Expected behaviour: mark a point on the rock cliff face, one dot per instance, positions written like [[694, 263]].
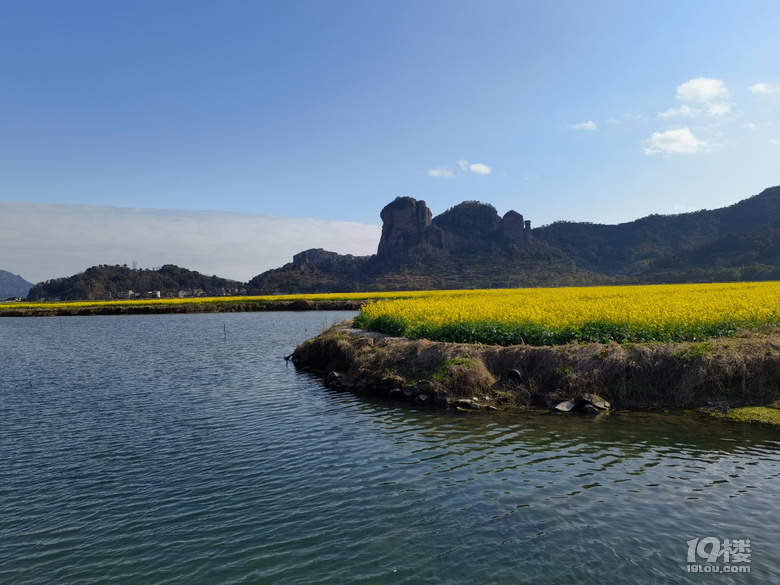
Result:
[[317, 257], [473, 224], [516, 228], [469, 245], [409, 230], [406, 226]]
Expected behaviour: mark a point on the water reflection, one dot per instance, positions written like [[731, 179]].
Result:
[[619, 494], [153, 449]]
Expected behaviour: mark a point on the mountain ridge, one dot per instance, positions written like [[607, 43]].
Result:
[[617, 248], [13, 285], [471, 246]]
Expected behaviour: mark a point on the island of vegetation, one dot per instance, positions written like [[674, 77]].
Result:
[[705, 346]]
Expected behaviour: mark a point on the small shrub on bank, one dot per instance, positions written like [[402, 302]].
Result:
[[759, 414], [464, 374]]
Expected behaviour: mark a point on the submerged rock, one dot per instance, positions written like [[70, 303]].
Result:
[[585, 404], [397, 394], [593, 400], [467, 404], [566, 406], [722, 407], [333, 380]]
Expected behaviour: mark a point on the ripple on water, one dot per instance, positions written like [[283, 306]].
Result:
[[152, 449]]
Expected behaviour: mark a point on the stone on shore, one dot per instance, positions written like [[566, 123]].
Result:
[[584, 404]]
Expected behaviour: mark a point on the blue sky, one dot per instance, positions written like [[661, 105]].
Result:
[[275, 111]]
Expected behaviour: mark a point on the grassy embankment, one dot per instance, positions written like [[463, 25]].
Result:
[[333, 301], [665, 346]]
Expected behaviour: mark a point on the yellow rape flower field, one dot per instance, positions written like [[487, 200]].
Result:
[[190, 304], [539, 316], [224, 301], [646, 313]]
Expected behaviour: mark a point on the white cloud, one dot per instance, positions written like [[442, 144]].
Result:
[[685, 111], [589, 125], [444, 172], [44, 241], [701, 96], [703, 90], [719, 109], [476, 168], [763, 88], [680, 141], [480, 169], [627, 118]]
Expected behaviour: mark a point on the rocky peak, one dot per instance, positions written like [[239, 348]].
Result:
[[313, 256], [409, 230], [318, 257], [470, 219], [516, 228], [406, 223], [472, 223]]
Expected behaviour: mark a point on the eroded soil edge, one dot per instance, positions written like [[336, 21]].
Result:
[[739, 371]]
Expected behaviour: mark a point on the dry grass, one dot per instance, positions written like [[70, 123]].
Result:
[[742, 371]]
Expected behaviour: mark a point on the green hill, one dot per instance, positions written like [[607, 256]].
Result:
[[641, 247], [106, 281]]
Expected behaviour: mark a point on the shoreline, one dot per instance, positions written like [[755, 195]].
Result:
[[161, 308], [721, 375]]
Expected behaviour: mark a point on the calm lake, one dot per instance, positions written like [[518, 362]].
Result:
[[184, 449]]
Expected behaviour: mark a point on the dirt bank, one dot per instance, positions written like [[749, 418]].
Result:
[[740, 371]]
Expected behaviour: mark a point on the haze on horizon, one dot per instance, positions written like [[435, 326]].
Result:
[[225, 137]]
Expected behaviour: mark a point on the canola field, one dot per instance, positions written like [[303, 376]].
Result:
[[225, 301], [646, 313]]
